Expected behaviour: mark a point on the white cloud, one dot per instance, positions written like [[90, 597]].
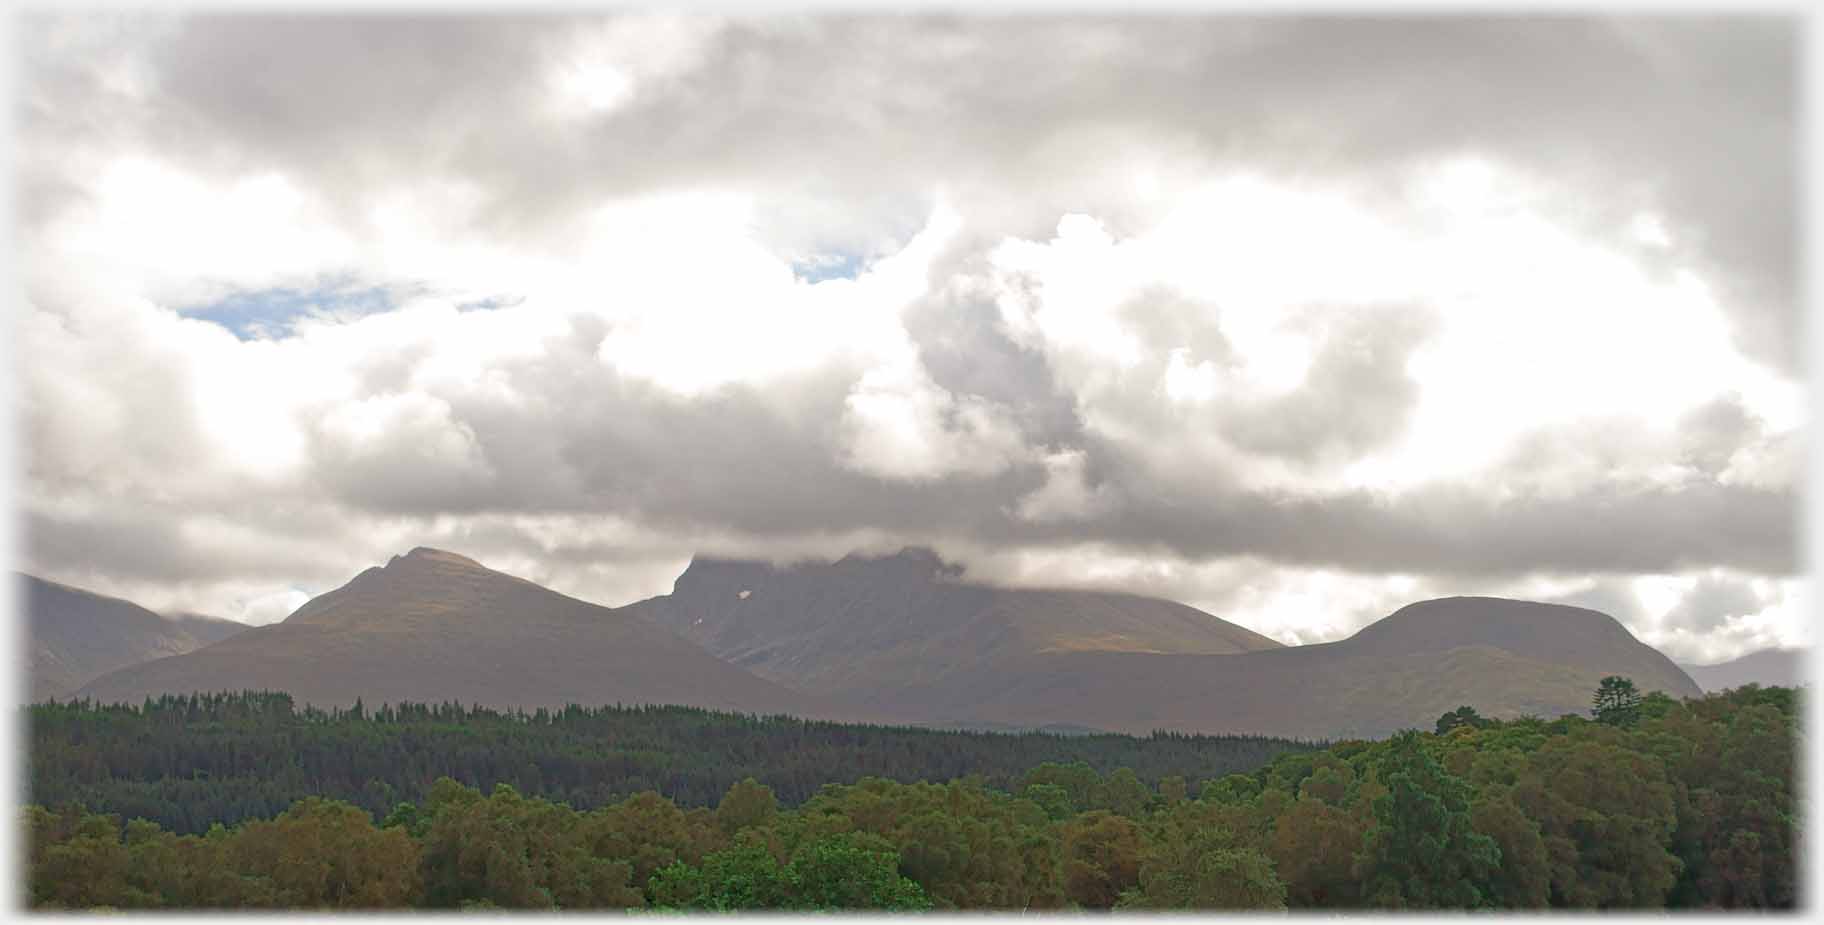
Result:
[[271, 608], [898, 424], [1187, 305], [1066, 494], [181, 238], [1539, 325], [602, 67]]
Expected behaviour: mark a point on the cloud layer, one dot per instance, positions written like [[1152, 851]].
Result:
[[1294, 319]]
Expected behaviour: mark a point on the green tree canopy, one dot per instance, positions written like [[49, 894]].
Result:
[[1422, 851]]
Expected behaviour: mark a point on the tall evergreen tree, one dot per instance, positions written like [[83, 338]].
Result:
[[1616, 702]]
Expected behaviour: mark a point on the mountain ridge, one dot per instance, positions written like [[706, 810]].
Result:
[[861, 621], [1784, 666], [431, 626], [1366, 685], [906, 639], [74, 635]]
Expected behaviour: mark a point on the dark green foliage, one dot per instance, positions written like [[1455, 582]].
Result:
[[837, 872], [743, 877], [1422, 852], [1461, 716], [1205, 867], [851, 872], [968, 846], [747, 803], [1691, 805], [1616, 702], [1235, 788], [517, 853], [187, 762]]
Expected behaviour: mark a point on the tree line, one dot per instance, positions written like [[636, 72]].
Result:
[[188, 762], [1661, 803]]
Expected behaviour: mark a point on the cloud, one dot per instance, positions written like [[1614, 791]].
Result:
[[1712, 602], [900, 425], [1067, 494], [1703, 616], [1161, 298]]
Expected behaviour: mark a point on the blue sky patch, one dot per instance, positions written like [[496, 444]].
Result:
[[270, 313], [490, 303], [822, 267]]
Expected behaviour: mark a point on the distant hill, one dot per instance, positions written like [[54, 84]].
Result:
[[875, 624], [75, 636], [435, 626], [1766, 667], [1505, 658]]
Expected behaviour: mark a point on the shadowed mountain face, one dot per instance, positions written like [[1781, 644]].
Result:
[[76, 636], [871, 625], [1767, 667], [1505, 658], [434, 626]]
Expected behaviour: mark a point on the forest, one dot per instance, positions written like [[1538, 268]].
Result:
[[1650, 802], [190, 762]]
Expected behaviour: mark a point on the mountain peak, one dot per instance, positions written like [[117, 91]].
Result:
[[420, 582], [427, 554], [431, 626], [910, 566], [919, 555], [918, 563]]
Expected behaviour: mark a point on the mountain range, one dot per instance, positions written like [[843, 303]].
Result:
[[871, 627], [1505, 658], [432, 626], [905, 639], [1784, 667], [74, 636]]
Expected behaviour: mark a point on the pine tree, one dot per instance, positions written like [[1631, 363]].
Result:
[[1616, 702]]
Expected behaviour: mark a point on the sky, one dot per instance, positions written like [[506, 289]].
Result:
[[1293, 319]]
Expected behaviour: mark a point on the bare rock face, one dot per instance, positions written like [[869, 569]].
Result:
[[431, 626], [75, 636]]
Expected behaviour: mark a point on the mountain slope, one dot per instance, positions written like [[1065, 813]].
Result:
[[75, 636], [1766, 667], [434, 626], [875, 624], [1506, 658], [901, 639]]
